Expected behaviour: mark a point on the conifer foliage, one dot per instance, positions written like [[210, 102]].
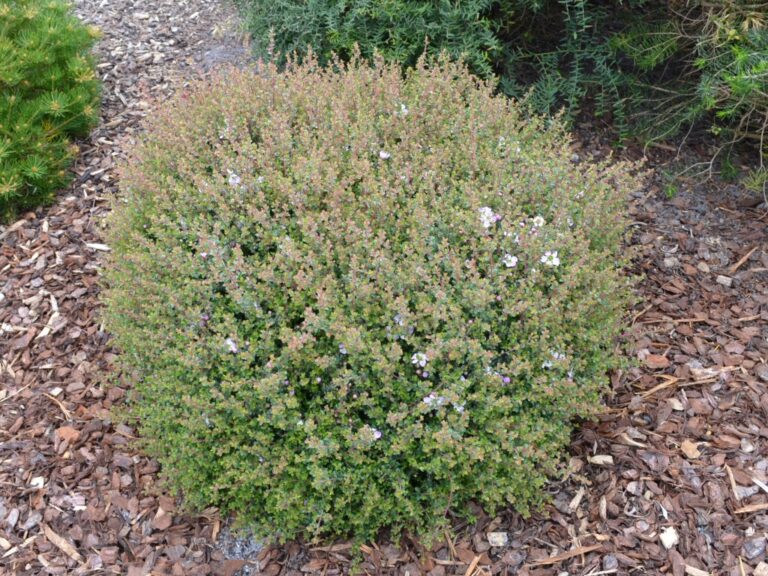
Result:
[[49, 94]]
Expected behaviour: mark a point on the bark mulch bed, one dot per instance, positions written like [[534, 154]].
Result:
[[673, 479]]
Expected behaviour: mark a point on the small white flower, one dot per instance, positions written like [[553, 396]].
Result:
[[232, 345], [509, 260], [487, 217], [539, 221], [503, 145], [234, 179], [556, 356], [550, 258], [370, 433], [419, 359], [342, 349], [433, 400], [225, 132], [404, 110], [384, 155], [459, 408]]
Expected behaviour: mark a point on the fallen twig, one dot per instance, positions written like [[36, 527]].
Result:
[[566, 555]]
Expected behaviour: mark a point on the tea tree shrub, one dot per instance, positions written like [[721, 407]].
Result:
[[49, 94], [349, 300]]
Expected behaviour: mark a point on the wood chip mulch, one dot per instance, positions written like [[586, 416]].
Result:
[[673, 479]]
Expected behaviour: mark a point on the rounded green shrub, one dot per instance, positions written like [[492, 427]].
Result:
[[349, 300], [49, 94]]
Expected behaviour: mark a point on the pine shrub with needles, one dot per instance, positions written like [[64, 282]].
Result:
[[49, 95]]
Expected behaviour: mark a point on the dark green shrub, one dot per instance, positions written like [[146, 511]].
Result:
[[397, 29], [351, 300], [660, 69], [557, 47], [48, 95], [555, 53]]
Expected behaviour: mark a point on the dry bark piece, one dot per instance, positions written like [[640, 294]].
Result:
[[62, 544], [754, 547], [498, 539], [656, 461], [601, 460], [566, 555], [669, 537], [162, 520], [68, 433], [657, 362], [690, 449]]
